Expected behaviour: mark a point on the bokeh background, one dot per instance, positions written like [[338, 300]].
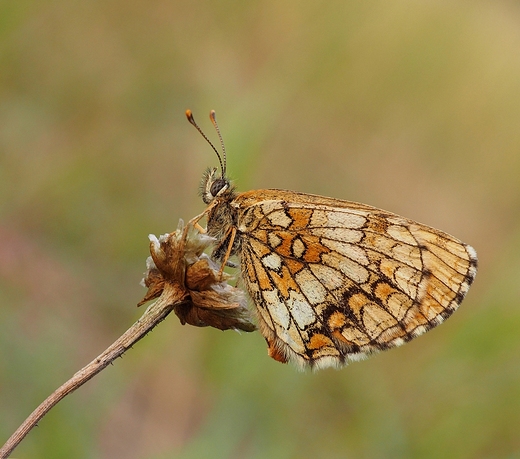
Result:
[[413, 107]]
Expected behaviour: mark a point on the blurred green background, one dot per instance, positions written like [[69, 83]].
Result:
[[413, 107]]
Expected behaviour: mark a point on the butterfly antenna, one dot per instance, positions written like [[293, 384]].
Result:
[[189, 115], [213, 119]]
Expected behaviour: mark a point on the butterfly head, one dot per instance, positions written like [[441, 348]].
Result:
[[212, 185]]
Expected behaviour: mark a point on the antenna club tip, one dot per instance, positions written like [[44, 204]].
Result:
[[189, 115]]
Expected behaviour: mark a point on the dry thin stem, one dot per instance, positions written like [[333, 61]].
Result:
[[173, 296], [182, 279]]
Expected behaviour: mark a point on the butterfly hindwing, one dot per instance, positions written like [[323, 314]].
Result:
[[335, 280]]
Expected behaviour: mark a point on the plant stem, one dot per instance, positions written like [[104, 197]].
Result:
[[172, 296]]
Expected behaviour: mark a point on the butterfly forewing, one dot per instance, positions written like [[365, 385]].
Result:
[[334, 281]]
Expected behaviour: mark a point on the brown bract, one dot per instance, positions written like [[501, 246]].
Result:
[[177, 259]]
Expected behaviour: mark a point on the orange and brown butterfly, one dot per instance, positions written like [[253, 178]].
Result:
[[333, 281]]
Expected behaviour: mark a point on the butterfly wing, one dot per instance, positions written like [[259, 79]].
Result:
[[334, 281]]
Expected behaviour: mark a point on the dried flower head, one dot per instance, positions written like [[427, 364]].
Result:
[[177, 259]]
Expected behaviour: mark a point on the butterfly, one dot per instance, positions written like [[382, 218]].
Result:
[[332, 281]]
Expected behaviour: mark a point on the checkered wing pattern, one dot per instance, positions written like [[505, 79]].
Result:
[[334, 281]]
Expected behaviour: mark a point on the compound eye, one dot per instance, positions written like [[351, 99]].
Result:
[[217, 185]]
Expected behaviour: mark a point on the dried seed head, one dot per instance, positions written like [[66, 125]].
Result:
[[178, 258]]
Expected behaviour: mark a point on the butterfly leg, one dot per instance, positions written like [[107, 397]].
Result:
[[195, 223], [195, 220], [199, 228], [232, 233]]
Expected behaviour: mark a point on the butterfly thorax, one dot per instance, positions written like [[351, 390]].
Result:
[[222, 216]]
